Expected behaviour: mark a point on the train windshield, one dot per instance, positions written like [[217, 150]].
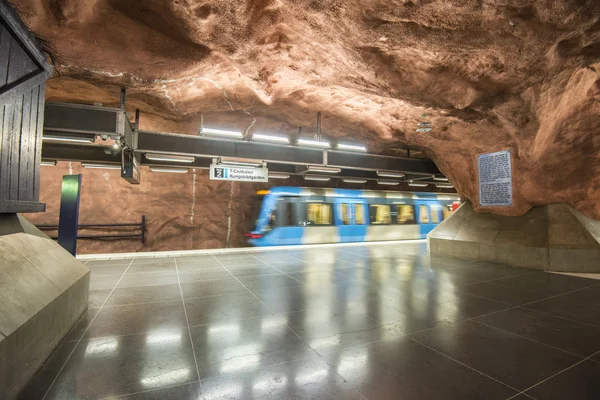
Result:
[[252, 222]]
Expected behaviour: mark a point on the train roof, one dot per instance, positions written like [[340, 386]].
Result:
[[327, 192]]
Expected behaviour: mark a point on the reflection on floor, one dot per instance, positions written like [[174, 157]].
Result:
[[364, 322]]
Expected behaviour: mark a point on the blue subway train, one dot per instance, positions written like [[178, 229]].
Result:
[[295, 215]]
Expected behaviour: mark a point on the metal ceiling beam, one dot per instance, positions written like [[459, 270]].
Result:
[[74, 118]]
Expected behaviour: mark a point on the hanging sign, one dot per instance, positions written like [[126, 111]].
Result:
[[220, 172], [495, 179]]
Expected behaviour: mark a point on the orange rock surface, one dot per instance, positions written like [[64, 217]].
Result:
[[513, 74]]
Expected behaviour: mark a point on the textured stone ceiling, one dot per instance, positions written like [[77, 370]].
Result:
[[514, 74]]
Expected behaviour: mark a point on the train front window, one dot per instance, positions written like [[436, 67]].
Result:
[[318, 214], [254, 213]]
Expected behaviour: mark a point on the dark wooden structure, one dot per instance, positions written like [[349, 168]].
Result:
[[23, 74]]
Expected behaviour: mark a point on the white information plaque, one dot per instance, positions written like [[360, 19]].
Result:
[[495, 179]]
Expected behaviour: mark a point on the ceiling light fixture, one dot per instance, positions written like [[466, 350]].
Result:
[[170, 158], [240, 162], [317, 178], [388, 183], [313, 143], [444, 186], [270, 138], [326, 170], [71, 139], [417, 184], [351, 147], [440, 179], [278, 175], [48, 163], [423, 129], [390, 174], [353, 180], [424, 123], [101, 166], [221, 132], [169, 170]]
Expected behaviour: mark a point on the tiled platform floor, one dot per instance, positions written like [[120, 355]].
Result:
[[365, 322]]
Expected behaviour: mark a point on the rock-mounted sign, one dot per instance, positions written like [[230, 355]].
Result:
[[495, 179]]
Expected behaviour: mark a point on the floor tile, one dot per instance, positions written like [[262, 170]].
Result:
[[104, 281], [197, 262], [216, 287], [189, 391], [259, 283], [148, 279], [486, 273], [113, 366], [305, 379], [591, 295], [137, 318], [574, 337], [203, 274], [97, 297], [580, 311], [237, 347], [99, 263], [502, 294], [81, 325], [231, 307], [144, 294], [41, 381], [240, 262], [403, 369], [288, 299], [579, 382], [250, 270], [107, 269], [511, 359], [546, 283], [155, 266]]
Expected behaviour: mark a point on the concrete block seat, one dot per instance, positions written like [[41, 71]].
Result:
[[43, 292]]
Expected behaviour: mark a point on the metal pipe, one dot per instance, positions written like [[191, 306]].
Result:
[[123, 97], [319, 125]]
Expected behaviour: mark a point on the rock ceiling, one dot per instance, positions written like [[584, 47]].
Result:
[[493, 74]]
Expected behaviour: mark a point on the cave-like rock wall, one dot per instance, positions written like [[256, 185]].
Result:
[[511, 74]]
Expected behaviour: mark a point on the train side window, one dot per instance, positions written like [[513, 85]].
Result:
[[380, 214], [318, 214], [344, 213], [446, 212], [423, 214], [359, 214], [435, 214], [406, 214]]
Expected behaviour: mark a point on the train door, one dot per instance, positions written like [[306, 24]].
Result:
[[427, 214], [289, 230], [351, 219]]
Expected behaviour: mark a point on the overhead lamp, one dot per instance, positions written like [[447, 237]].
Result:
[[313, 143], [326, 170], [440, 179], [399, 202], [240, 162], [221, 132], [317, 178], [424, 123], [351, 147], [390, 174], [172, 170], [444, 186], [71, 139], [417, 184], [423, 129], [48, 163], [270, 138], [278, 175], [170, 158], [388, 183], [101, 166], [354, 180]]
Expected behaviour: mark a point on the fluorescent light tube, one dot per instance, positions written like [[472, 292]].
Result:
[[48, 164], [417, 184], [423, 129], [351, 147], [440, 179], [241, 162], [101, 166], [170, 170], [327, 170], [71, 139], [354, 180], [277, 175], [317, 178], [390, 174], [269, 138], [388, 183], [313, 143], [444, 186], [221, 132], [170, 158]]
